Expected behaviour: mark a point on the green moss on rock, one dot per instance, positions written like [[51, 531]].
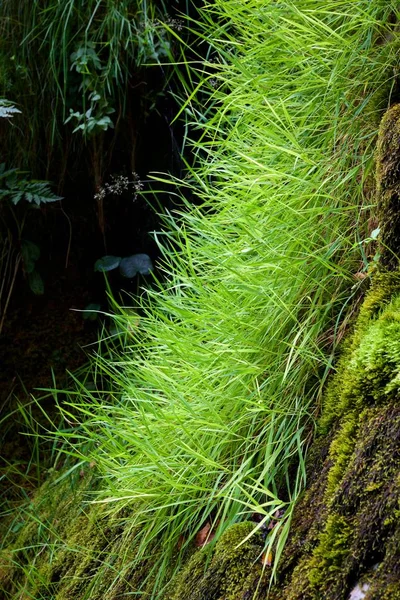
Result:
[[233, 571], [327, 565], [351, 529], [369, 367], [70, 549]]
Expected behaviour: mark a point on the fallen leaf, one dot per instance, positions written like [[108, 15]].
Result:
[[360, 275], [203, 536], [266, 559], [278, 514]]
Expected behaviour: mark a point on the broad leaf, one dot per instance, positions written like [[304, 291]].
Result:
[[30, 254], [107, 263], [137, 263], [36, 283]]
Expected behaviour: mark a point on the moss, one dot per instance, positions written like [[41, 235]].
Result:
[[340, 452], [346, 528], [328, 563], [233, 573], [370, 363], [6, 570], [63, 544]]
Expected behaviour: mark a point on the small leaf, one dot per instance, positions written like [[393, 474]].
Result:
[[137, 263], [30, 254], [375, 233], [376, 257], [19, 525], [206, 534], [266, 559], [202, 537], [36, 192], [16, 196], [36, 283], [107, 263], [360, 275]]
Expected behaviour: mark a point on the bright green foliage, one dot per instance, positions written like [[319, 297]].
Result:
[[342, 533], [216, 383], [205, 411]]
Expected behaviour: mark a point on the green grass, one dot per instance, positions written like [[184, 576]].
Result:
[[217, 384]]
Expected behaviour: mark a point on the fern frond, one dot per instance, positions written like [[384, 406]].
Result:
[[7, 109], [37, 192], [15, 189]]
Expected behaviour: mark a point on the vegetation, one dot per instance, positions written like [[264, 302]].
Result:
[[199, 411], [16, 250]]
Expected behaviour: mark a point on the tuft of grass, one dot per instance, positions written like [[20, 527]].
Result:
[[207, 402]]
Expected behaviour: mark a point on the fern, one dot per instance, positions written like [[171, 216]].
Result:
[[37, 192], [7, 109], [16, 189]]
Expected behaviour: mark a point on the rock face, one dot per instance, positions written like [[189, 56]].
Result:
[[388, 186], [346, 528]]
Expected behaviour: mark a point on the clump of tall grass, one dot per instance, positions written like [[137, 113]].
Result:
[[216, 388]]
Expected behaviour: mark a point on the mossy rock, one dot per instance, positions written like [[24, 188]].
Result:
[[388, 186], [233, 572], [346, 528]]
